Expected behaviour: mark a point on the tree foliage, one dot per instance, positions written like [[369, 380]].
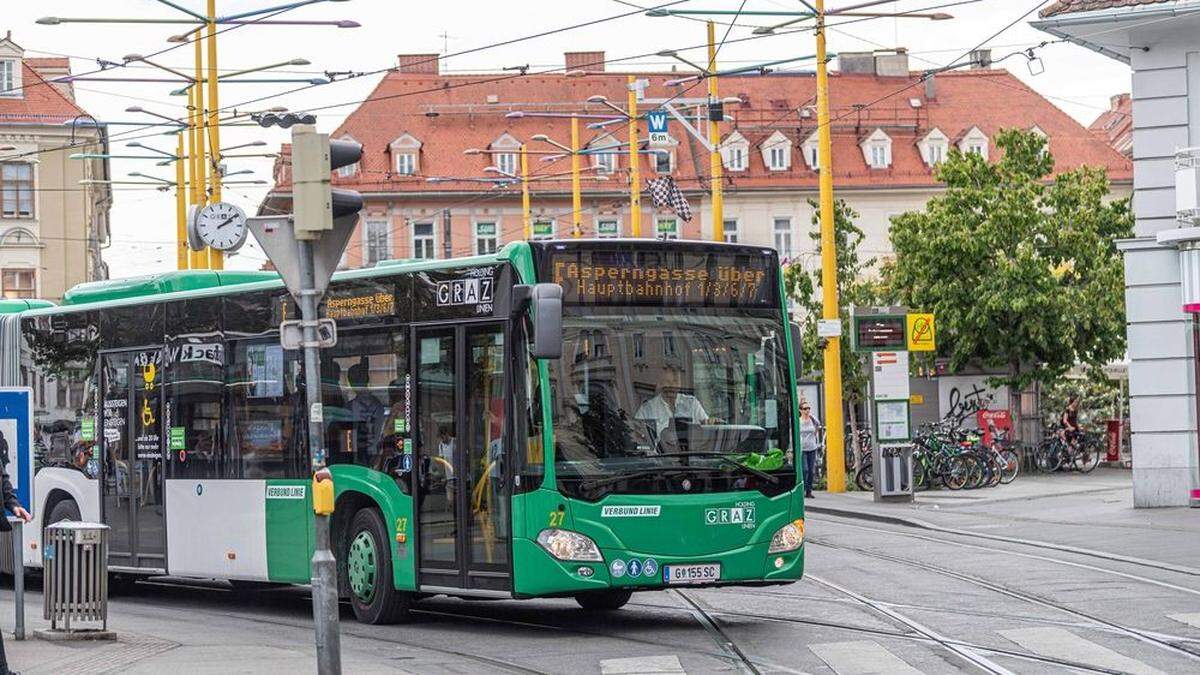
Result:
[[856, 286], [1022, 272]]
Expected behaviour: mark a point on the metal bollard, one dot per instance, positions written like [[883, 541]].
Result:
[[18, 526]]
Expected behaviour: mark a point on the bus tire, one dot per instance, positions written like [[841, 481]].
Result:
[[368, 556], [604, 601]]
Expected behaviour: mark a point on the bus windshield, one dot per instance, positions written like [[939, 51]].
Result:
[[642, 395]]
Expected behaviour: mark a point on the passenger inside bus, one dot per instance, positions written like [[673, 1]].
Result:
[[365, 411]]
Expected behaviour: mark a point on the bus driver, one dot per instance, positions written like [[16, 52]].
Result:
[[670, 403]]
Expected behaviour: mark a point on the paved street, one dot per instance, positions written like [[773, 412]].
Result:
[[879, 597]]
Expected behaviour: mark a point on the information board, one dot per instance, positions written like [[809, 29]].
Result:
[[16, 441], [880, 332]]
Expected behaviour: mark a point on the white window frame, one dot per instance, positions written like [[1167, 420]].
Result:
[[431, 238], [608, 219], [776, 231], [879, 156], [731, 233], [494, 236], [975, 142], [507, 162], [19, 292], [10, 81], [348, 170], [670, 155], [406, 163], [605, 162], [777, 157], [367, 244], [534, 236]]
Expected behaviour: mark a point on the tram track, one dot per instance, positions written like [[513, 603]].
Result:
[[1042, 558], [718, 635], [1146, 637]]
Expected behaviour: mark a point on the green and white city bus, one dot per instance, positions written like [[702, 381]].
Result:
[[660, 448]]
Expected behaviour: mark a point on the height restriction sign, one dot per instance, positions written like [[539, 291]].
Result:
[[657, 121], [921, 333]]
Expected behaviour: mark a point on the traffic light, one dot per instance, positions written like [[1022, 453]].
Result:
[[315, 204]]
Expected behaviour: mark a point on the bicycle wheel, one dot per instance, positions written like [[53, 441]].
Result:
[[920, 477], [864, 479], [995, 469], [956, 473], [1049, 456], [976, 472], [1011, 465], [1087, 457]]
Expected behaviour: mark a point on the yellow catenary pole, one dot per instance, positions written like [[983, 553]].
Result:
[[835, 458], [195, 162], [216, 258], [714, 139], [526, 216], [635, 163], [198, 114], [576, 197], [181, 248]]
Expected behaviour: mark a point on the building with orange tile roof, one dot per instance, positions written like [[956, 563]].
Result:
[[890, 129], [1115, 125], [52, 227]]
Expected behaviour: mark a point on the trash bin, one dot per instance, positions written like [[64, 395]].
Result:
[[894, 472], [75, 578]]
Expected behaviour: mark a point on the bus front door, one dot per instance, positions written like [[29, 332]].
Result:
[[463, 523], [132, 475]]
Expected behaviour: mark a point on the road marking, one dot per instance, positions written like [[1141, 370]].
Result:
[[643, 665], [861, 658], [1060, 643], [1192, 620]]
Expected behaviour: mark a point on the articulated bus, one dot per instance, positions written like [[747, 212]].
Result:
[[583, 418]]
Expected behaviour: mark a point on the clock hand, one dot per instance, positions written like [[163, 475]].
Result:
[[228, 220]]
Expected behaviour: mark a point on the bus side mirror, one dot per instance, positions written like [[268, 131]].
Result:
[[797, 347], [546, 302]]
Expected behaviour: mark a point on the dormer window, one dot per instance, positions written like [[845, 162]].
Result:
[[812, 152], [505, 154], [350, 169], [1037, 131], [604, 156], [974, 142], [934, 147], [877, 149], [735, 151], [406, 155], [664, 161], [777, 152], [10, 77]]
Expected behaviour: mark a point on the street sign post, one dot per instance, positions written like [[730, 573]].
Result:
[[305, 249]]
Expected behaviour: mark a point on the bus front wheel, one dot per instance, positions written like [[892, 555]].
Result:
[[604, 601], [368, 557]]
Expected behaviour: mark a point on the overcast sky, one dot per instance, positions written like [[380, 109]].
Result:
[[1077, 80]]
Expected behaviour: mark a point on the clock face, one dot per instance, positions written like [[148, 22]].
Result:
[[221, 226]]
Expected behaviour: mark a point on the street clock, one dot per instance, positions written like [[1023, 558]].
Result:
[[220, 225]]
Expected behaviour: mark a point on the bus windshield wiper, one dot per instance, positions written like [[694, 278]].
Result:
[[596, 483], [727, 459]]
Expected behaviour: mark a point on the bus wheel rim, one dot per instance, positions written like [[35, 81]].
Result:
[[361, 566]]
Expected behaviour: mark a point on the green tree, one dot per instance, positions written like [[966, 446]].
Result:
[[855, 287], [1021, 270]]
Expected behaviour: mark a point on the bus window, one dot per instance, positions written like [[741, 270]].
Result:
[[485, 401], [265, 408], [194, 387], [528, 467], [62, 351], [364, 391]]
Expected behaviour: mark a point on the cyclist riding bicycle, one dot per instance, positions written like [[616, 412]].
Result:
[[1068, 421]]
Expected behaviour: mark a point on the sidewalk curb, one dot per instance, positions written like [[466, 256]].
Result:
[[926, 525]]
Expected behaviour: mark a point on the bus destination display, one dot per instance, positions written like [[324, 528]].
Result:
[[592, 277]]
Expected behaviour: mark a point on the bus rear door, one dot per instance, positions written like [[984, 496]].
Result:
[[131, 482]]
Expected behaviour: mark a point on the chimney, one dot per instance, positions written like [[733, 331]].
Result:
[[930, 87], [590, 62], [856, 63], [981, 59], [426, 64], [892, 62]]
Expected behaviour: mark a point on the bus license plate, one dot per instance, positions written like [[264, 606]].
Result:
[[691, 574]]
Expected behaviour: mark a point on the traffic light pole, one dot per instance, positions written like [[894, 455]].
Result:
[[324, 566]]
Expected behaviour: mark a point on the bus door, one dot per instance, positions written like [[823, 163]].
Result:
[[131, 489], [463, 523]]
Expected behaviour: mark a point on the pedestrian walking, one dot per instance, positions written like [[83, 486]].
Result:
[[810, 443], [12, 505]]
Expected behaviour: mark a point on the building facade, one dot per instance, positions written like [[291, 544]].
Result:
[[52, 227], [1157, 38], [431, 142], [1115, 125]]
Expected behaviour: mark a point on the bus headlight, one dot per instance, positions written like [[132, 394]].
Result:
[[568, 545], [788, 538]]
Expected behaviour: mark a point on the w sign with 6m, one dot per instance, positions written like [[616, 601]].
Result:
[[657, 121]]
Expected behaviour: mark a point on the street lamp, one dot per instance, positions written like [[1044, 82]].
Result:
[[139, 109]]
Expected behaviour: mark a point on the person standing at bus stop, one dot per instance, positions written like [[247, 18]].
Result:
[[810, 443], [13, 506]]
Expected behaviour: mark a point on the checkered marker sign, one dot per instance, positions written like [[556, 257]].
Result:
[[666, 195]]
